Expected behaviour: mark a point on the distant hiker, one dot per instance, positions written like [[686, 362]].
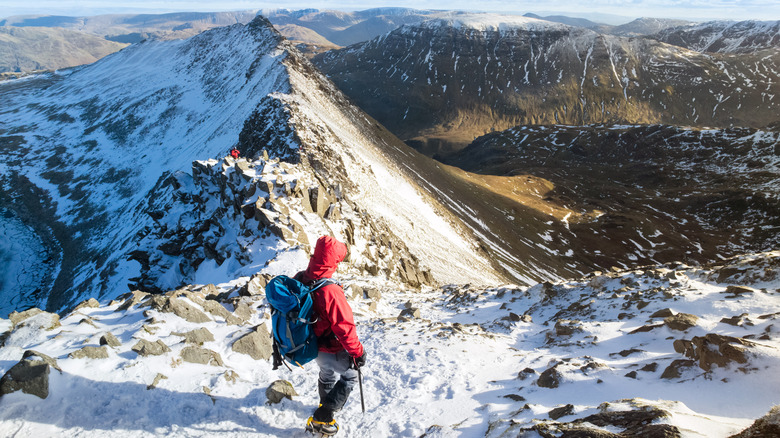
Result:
[[235, 153], [340, 350]]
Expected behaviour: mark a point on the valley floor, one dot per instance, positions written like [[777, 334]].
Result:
[[460, 362]]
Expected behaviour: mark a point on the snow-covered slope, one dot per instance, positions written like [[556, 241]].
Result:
[[616, 352], [725, 36], [89, 152]]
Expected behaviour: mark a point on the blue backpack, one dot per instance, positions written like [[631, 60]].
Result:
[[292, 322]]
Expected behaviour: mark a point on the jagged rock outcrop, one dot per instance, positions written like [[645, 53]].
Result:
[[714, 349], [228, 205]]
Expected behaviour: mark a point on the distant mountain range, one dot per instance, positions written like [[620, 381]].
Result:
[[442, 83], [25, 49]]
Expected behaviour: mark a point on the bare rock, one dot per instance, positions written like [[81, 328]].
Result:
[[674, 370], [198, 336], [565, 327], [550, 378], [87, 304], [90, 352], [765, 427], [200, 355], [373, 294], [561, 411], [35, 319], [663, 313], [279, 390], [357, 291], [135, 297], [243, 312], [257, 344], [713, 349], [217, 309], [681, 321], [184, 310], [17, 317], [410, 313], [739, 290], [30, 375], [110, 340], [148, 348], [156, 381]]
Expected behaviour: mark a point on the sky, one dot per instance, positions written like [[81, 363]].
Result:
[[617, 11]]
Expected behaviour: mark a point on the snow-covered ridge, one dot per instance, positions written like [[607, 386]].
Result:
[[725, 36], [491, 23]]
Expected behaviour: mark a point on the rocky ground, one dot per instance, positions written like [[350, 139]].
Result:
[[669, 350]]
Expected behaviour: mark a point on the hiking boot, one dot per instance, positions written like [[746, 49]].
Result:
[[329, 428]]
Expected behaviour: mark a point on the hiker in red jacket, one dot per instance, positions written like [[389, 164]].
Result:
[[340, 351], [235, 153]]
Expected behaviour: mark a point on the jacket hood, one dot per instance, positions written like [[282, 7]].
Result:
[[328, 253]]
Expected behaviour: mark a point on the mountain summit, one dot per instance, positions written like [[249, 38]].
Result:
[[90, 152]]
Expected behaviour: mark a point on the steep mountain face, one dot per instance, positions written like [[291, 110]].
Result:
[[664, 193], [34, 48], [89, 157], [440, 84], [725, 36], [132, 28]]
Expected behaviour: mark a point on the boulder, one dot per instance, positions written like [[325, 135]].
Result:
[[90, 352], [713, 349], [561, 411], [674, 370], [738, 290], [279, 390], [200, 355], [110, 340], [35, 318], [550, 378], [663, 313], [411, 312], [30, 375], [197, 336], [681, 321], [17, 317], [257, 344], [148, 348]]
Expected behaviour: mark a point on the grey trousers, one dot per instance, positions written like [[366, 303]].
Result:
[[336, 379]]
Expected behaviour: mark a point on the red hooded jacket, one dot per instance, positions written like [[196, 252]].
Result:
[[330, 303]]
